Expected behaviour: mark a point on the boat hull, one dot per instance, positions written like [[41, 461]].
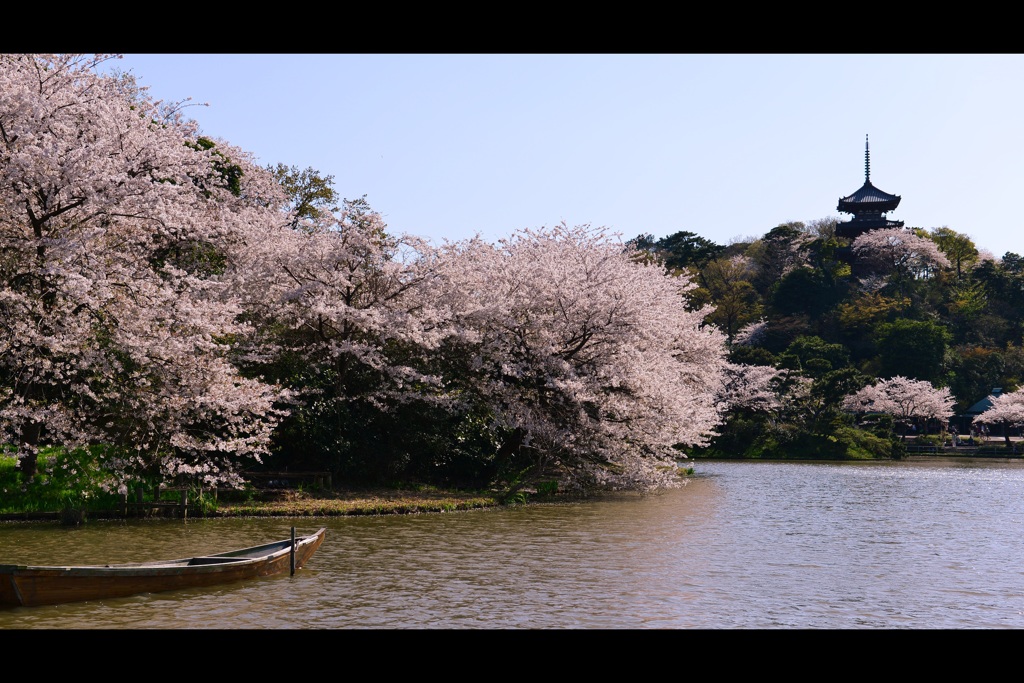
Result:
[[28, 586]]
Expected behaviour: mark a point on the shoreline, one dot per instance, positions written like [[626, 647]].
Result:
[[297, 503], [350, 502], [291, 502]]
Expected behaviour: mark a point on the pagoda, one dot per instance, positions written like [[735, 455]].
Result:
[[868, 206]]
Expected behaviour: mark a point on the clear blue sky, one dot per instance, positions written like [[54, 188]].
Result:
[[723, 145]]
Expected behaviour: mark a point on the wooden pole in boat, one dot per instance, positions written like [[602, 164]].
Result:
[[292, 558]]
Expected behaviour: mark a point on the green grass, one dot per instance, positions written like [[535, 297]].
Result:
[[64, 480]]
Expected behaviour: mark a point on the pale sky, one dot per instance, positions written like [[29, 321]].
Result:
[[727, 146]]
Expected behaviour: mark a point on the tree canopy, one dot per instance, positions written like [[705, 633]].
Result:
[[114, 239]]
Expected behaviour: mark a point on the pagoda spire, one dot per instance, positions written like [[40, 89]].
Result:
[[868, 205], [867, 161]]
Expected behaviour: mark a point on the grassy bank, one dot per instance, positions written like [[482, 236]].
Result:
[[292, 503], [67, 484], [295, 503]]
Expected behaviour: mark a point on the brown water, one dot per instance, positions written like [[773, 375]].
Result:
[[917, 544]]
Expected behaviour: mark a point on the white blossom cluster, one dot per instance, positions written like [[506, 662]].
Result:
[[900, 252], [1005, 409], [903, 398], [586, 353], [111, 329]]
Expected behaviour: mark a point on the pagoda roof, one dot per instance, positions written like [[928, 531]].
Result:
[[868, 198]]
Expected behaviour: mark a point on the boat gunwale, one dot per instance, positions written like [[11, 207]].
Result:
[[206, 563]]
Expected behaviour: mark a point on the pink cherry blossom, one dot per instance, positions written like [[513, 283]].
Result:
[[903, 398], [115, 225], [899, 251], [1005, 410], [587, 357]]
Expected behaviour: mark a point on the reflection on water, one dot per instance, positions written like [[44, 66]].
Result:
[[917, 544]]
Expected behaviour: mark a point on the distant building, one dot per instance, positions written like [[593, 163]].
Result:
[[868, 206], [982, 405], [966, 418]]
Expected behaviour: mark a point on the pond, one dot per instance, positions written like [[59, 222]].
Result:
[[924, 543]]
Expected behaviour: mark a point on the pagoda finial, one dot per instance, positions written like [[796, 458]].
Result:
[[867, 161]]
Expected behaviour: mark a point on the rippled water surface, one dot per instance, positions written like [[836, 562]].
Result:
[[917, 544]]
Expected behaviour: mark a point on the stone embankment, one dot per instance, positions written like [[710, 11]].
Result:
[[991, 447]]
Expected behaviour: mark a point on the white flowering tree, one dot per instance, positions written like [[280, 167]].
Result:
[[771, 410], [899, 253], [767, 394], [1006, 411], [753, 388], [116, 221], [347, 316], [344, 289], [587, 359], [906, 400]]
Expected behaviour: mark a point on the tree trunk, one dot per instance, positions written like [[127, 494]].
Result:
[[30, 434]]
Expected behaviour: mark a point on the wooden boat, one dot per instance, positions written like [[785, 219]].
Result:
[[27, 585]]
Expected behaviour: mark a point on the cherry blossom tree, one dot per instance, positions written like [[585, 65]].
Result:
[[905, 399], [768, 411], [775, 409], [345, 288], [1006, 410], [345, 314], [116, 225], [985, 256], [587, 359], [899, 253], [751, 334], [754, 388]]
